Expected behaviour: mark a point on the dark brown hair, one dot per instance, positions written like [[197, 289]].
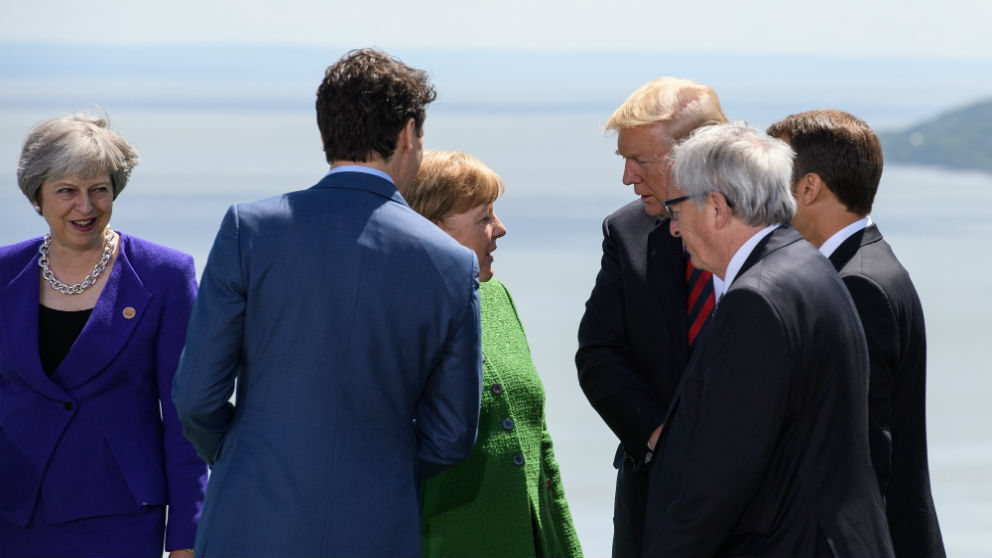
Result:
[[839, 147], [365, 100]]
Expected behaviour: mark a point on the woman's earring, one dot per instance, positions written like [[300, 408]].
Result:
[[38, 209]]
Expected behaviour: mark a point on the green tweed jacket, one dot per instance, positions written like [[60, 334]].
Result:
[[507, 498]]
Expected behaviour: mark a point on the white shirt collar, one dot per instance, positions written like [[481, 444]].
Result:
[[838, 238], [361, 168], [740, 256], [719, 287]]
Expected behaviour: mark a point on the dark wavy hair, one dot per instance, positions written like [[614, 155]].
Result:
[[839, 147], [365, 100]]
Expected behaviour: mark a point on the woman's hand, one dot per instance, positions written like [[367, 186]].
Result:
[[181, 553]]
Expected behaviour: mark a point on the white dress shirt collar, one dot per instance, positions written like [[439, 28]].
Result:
[[838, 238], [742, 253]]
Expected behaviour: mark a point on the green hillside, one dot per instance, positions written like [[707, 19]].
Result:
[[959, 139]]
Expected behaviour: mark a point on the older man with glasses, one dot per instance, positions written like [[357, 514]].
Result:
[[765, 446]]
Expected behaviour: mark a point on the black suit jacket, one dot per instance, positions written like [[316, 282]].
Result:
[[892, 317], [765, 447], [633, 343]]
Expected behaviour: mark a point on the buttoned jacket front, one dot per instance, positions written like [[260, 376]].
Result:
[[100, 435]]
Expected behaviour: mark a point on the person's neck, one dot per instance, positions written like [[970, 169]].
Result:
[[378, 164], [385, 165], [829, 224], [738, 234]]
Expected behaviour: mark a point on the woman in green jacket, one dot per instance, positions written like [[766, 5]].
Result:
[[507, 498]]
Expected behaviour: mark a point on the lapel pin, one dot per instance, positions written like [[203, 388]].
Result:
[[129, 312]]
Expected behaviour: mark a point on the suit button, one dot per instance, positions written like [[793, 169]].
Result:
[[518, 459], [68, 405], [497, 389], [508, 423]]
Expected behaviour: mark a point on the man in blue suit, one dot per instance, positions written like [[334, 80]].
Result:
[[351, 325]]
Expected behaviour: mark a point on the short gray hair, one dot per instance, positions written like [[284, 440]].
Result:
[[751, 169], [75, 145]]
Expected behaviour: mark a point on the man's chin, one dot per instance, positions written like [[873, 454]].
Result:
[[654, 209]]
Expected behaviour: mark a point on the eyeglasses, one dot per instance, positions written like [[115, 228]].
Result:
[[669, 204]]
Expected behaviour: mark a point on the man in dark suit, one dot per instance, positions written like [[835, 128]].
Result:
[[765, 446], [634, 335], [351, 325], [835, 177]]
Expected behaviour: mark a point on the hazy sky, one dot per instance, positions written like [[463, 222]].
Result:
[[902, 28]]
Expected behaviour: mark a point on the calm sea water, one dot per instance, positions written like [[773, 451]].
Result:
[[562, 179]]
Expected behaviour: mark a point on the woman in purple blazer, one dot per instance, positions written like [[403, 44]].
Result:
[[92, 322]]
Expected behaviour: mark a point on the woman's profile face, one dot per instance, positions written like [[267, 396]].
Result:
[[77, 210], [477, 229]]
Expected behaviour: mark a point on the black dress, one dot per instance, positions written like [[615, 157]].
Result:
[[57, 331]]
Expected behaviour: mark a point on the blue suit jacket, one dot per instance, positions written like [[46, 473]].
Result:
[[99, 411], [351, 325]]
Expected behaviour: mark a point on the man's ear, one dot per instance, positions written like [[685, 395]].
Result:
[[407, 137], [809, 188], [722, 210]]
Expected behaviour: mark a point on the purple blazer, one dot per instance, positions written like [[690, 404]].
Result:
[[91, 440]]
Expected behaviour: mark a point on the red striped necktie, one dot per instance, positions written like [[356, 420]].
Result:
[[701, 299]]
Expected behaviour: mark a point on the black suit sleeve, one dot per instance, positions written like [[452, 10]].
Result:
[[607, 371], [882, 334], [897, 419], [732, 410]]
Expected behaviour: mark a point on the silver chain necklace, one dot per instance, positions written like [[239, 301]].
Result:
[[89, 280]]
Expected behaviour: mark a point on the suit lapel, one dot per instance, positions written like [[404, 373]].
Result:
[[664, 252], [19, 331], [850, 247], [782, 236], [117, 313]]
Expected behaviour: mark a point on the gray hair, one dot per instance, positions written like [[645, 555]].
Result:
[[75, 145], [752, 170]]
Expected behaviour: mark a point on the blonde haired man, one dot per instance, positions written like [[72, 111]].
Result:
[[634, 338]]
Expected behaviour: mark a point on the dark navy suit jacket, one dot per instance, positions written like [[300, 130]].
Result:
[[892, 316], [633, 340], [351, 326], [633, 347], [765, 447], [91, 438]]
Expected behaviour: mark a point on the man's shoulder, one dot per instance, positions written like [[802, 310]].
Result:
[[796, 283], [631, 217], [876, 261], [410, 236], [874, 277], [785, 261], [320, 197]]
